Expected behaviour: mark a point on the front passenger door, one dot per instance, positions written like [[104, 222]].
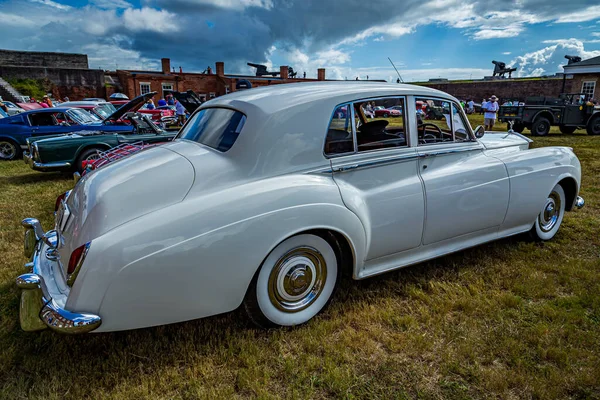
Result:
[[466, 191]]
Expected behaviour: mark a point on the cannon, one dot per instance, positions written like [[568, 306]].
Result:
[[573, 59], [261, 70], [292, 73], [500, 69]]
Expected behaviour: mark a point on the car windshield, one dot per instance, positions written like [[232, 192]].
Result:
[[214, 127], [82, 117], [104, 110]]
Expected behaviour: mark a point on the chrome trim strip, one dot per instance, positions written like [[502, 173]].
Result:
[[448, 151], [371, 163]]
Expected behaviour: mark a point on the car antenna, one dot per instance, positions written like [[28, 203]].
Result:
[[401, 80]]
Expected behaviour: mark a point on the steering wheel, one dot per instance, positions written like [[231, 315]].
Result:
[[430, 135]]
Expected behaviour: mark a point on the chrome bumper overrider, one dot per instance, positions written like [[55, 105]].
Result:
[[38, 310], [579, 202], [44, 167]]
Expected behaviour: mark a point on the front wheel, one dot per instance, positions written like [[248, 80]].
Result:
[[550, 217], [295, 282], [87, 155], [541, 127], [9, 150]]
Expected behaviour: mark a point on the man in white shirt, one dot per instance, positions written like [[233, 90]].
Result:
[[470, 107], [491, 108]]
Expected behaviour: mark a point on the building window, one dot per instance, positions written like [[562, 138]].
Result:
[[588, 88], [226, 89], [166, 87], [212, 95], [144, 87]]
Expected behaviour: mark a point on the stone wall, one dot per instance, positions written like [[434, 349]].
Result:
[[43, 59], [503, 89], [73, 83]]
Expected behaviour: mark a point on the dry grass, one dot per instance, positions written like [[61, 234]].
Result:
[[511, 319]]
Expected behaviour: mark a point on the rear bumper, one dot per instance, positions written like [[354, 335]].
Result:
[[39, 308], [45, 167]]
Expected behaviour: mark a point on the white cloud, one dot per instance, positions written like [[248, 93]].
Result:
[[549, 60], [113, 57], [234, 4], [111, 4], [149, 19], [507, 53], [16, 20], [52, 4], [587, 14]]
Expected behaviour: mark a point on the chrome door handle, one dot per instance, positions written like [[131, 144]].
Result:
[[345, 168]]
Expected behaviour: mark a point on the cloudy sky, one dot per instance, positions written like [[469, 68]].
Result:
[[425, 39]]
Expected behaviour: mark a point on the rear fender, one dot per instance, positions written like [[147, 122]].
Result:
[[197, 258]]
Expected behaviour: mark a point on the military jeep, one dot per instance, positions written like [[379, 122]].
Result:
[[568, 112]]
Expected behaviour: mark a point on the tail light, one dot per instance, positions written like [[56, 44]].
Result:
[[76, 261], [59, 199]]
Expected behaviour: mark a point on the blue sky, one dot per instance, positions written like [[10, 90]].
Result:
[[452, 39]]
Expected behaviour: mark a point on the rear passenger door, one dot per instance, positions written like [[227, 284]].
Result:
[[376, 171], [466, 191]]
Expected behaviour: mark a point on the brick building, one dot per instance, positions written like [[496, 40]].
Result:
[[585, 75], [208, 84]]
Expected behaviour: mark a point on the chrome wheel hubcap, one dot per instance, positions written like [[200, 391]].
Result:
[[93, 157], [297, 279], [549, 215], [7, 150]]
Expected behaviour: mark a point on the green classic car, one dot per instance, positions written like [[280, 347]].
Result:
[[68, 152]]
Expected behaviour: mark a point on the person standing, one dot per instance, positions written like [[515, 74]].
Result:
[[470, 106], [482, 110], [180, 112], [489, 118]]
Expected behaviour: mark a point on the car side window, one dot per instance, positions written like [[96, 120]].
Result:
[[42, 119], [380, 123], [339, 138], [460, 125], [434, 124]]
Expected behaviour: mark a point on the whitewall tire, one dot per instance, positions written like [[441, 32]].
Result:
[[550, 217], [294, 283]]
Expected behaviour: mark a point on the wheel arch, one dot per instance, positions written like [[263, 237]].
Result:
[[87, 146], [544, 114], [569, 185]]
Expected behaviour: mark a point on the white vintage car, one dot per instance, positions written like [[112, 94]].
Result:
[[269, 194]]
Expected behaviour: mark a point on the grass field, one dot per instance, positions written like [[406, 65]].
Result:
[[510, 319]]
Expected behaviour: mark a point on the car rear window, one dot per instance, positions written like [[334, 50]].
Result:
[[214, 127]]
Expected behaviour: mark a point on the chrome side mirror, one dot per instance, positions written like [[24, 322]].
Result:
[[479, 132]]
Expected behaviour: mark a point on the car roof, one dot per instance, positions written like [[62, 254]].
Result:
[[275, 98], [47, 110]]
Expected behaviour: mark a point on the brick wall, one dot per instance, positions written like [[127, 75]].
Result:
[[577, 83], [504, 89], [43, 59], [73, 83]]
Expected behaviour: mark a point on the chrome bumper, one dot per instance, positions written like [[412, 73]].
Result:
[[579, 202], [45, 167], [38, 310]]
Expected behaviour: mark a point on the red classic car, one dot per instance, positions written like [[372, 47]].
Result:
[[388, 112], [158, 113]]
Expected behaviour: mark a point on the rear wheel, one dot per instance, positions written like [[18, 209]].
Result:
[[517, 127], [550, 217], [567, 130], [385, 115], [87, 155], [540, 127], [295, 282], [593, 126], [9, 150]]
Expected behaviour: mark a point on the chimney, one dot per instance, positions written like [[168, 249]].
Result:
[[283, 72], [321, 74], [166, 65], [220, 68]]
